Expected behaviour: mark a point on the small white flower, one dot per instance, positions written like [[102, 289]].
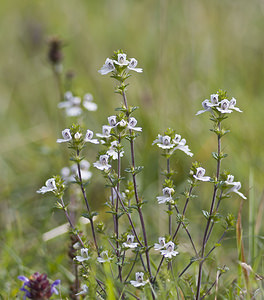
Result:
[[84, 290], [132, 65], [89, 137], [132, 122], [169, 250], [122, 123], [103, 257], [71, 105], [68, 95], [181, 145], [224, 107], [107, 67], [232, 105], [230, 180], [206, 107], [69, 174], [139, 280], [200, 175], [112, 121], [130, 242], [84, 255], [88, 102], [50, 186], [157, 140], [102, 164], [214, 99], [235, 189], [77, 136], [106, 132], [177, 139], [121, 59], [166, 195], [161, 244], [66, 134], [112, 151], [166, 142]]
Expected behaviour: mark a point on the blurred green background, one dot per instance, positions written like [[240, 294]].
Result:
[[188, 50]]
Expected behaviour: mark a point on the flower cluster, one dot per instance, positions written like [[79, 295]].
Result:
[[166, 249], [38, 287], [171, 142], [74, 105], [219, 104], [121, 61]]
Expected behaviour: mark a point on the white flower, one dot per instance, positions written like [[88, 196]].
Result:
[[112, 151], [166, 195], [130, 242], [177, 139], [89, 137], [229, 180], [50, 186], [139, 280], [206, 107], [232, 105], [107, 67], [103, 257], [71, 104], [200, 175], [132, 122], [224, 107], [165, 142], [169, 250], [121, 59], [214, 99], [84, 255], [66, 134], [77, 135], [235, 189], [84, 290], [106, 130], [181, 145], [112, 121], [102, 164], [122, 123], [88, 102], [158, 139], [161, 244], [132, 65]]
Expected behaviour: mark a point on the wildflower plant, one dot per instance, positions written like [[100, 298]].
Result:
[[123, 258]]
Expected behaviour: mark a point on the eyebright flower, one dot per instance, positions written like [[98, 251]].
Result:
[[112, 151], [181, 145], [102, 164], [230, 179], [106, 130], [89, 137], [232, 105], [235, 189], [84, 255], [112, 121], [165, 142], [166, 195], [224, 107], [157, 140], [132, 122], [122, 123], [121, 59], [169, 250], [107, 67], [132, 65], [38, 287], [130, 242], [214, 99], [206, 107], [200, 175], [88, 102], [66, 134], [161, 244], [84, 290], [139, 280], [50, 186], [104, 257]]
